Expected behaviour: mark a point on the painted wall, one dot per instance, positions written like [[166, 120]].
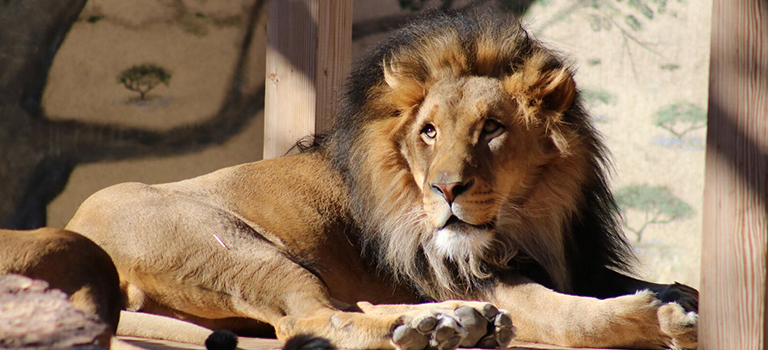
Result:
[[642, 66]]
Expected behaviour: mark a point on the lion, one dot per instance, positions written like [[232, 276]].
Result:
[[462, 187], [40, 267], [68, 262]]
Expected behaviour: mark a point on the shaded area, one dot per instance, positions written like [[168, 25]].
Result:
[[743, 153], [37, 155], [387, 23]]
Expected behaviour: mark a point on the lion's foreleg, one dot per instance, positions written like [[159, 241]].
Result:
[[616, 284], [638, 320], [445, 325]]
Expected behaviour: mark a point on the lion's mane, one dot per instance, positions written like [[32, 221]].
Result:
[[564, 241]]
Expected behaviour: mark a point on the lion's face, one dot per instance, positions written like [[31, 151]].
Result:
[[471, 155], [470, 150]]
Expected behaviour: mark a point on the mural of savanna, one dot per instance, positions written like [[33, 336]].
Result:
[[99, 92]]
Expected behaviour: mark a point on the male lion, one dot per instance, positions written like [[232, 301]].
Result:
[[462, 167]]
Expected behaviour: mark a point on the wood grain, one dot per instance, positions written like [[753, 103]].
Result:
[[309, 45], [247, 343], [735, 235]]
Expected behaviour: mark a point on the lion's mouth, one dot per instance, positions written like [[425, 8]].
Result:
[[454, 221]]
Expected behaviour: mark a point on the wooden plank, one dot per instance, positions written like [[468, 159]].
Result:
[[309, 45], [735, 237], [248, 343]]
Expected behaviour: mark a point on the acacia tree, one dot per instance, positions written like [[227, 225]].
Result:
[[38, 154], [657, 204], [143, 78], [681, 118]]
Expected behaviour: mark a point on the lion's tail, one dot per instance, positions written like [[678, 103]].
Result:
[[139, 324]]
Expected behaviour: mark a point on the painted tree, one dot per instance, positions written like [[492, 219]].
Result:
[[594, 97], [38, 153], [143, 78], [681, 118], [657, 204]]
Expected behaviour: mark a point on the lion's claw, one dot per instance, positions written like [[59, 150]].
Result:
[[409, 338], [475, 324], [436, 331], [455, 323], [425, 324], [500, 332], [489, 311], [486, 326], [448, 333]]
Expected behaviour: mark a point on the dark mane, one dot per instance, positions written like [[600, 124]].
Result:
[[594, 242]]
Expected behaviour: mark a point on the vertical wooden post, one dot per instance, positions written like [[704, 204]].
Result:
[[735, 238], [309, 45]]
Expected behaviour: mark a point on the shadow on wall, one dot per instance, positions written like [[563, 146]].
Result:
[[39, 153]]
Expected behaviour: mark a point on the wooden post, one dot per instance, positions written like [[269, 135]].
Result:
[[309, 45], [735, 238]]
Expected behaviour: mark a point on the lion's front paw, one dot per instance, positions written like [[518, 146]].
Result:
[[428, 329], [679, 325], [487, 326], [643, 321], [686, 296]]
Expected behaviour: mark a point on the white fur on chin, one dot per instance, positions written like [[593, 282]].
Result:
[[457, 242]]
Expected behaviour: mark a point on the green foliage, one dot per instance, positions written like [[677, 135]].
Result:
[[633, 23], [143, 78], [594, 96], [627, 15], [411, 5], [657, 203], [594, 61], [94, 19], [670, 67], [681, 118], [518, 7], [642, 7]]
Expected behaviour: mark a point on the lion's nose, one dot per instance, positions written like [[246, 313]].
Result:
[[452, 190]]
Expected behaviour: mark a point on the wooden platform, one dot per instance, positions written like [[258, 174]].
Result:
[[246, 343]]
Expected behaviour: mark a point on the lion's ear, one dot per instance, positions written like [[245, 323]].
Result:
[[405, 90], [392, 75], [543, 95], [539, 88], [558, 90]]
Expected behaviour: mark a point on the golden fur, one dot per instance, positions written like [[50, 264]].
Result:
[[539, 191], [462, 166], [66, 261], [71, 263]]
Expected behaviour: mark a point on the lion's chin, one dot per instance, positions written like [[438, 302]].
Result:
[[459, 241]]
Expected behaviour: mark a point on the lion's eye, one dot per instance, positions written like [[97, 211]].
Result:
[[492, 128], [429, 131]]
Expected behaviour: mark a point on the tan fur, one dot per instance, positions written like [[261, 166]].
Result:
[[73, 264], [290, 242], [66, 261], [520, 203]]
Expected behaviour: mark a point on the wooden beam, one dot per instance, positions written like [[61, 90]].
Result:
[[734, 258], [309, 45]]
